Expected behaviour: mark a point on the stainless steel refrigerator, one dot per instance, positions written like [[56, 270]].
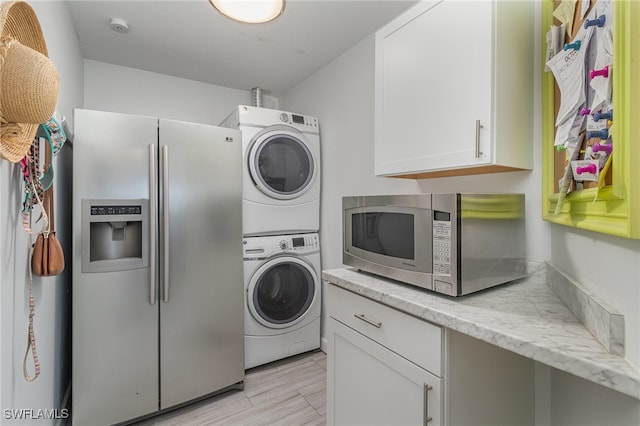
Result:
[[157, 265]]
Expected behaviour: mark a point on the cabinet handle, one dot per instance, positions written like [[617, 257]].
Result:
[[368, 321], [425, 389], [478, 127]]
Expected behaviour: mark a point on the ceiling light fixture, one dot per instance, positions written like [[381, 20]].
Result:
[[250, 11]]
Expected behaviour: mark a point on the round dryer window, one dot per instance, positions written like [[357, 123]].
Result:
[[281, 164], [281, 291]]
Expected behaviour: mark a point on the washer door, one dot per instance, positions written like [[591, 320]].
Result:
[[281, 291], [280, 163]]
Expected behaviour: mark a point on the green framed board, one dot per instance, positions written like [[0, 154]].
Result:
[[613, 205]]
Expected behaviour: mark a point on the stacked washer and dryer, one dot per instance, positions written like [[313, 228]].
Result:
[[281, 220]]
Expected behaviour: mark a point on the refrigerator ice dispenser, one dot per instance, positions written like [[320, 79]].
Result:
[[114, 235]]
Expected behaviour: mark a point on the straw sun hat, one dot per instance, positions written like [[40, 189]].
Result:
[[29, 82]]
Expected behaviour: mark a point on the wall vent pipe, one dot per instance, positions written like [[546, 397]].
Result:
[[256, 97]]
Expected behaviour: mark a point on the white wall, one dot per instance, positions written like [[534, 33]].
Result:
[[52, 295], [341, 95], [131, 91]]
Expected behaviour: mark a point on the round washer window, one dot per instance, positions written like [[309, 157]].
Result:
[[283, 293], [282, 166]]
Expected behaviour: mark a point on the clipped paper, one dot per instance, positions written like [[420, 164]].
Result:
[[593, 125], [569, 131], [555, 42], [584, 7], [565, 182], [564, 13], [580, 170], [568, 68], [604, 57]]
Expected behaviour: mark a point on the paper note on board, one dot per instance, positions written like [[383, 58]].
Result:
[[604, 58], [592, 124], [564, 13], [573, 150], [586, 170], [555, 42], [557, 38], [584, 7], [603, 7], [569, 131], [568, 68]]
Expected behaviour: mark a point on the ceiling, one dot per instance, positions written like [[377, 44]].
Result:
[[190, 39]]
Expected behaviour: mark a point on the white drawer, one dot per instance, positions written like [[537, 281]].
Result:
[[416, 340]]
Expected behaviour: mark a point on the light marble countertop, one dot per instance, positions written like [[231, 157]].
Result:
[[524, 317]]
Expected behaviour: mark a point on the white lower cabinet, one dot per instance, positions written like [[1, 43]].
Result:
[[374, 386], [378, 372], [385, 367]]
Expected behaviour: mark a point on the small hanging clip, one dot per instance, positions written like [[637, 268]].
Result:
[[604, 72], [601, 134], [606, 148], [589, 168], [599, 22], [598, 115], [575, 45]]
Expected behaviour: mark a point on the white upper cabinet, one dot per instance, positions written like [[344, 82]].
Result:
[[453, 89]]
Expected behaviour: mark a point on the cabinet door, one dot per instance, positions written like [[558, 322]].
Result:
[[433, 84], [370, 385]]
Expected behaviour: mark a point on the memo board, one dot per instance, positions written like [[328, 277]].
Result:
[[611, 202]]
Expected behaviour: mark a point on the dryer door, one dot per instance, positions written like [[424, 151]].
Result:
[[280, 163], [281, 291]]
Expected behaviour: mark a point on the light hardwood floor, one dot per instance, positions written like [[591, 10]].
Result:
[[286, 392]]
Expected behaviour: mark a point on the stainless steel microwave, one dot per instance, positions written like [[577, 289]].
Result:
[[450, 243]]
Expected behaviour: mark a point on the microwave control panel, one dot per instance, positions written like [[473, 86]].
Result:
[[441, 243]]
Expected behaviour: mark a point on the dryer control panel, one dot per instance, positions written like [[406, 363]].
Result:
[[301, 120], [267, 246], [265, 117]]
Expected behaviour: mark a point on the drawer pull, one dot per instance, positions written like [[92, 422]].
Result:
[[368, 321], [425, 389]]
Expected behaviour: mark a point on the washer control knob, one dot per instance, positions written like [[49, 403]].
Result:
[[284, 245], [284, 117]]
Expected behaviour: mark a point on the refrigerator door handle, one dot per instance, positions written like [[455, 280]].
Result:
[[152, 223], [165, 222]]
